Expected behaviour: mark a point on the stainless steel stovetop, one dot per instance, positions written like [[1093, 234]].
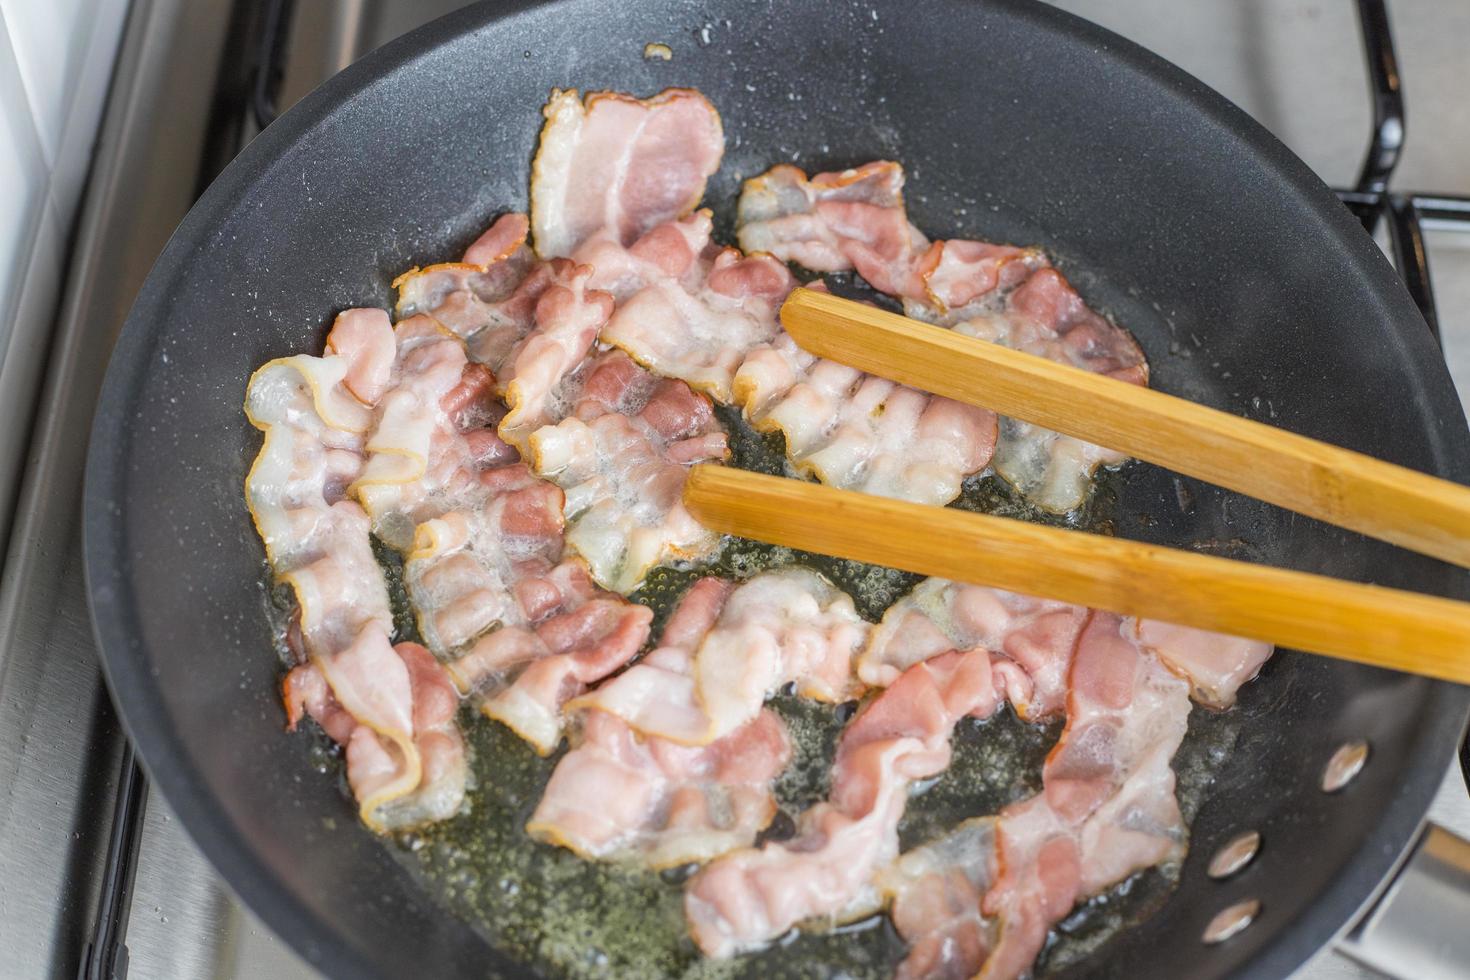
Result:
[[1296, 65]]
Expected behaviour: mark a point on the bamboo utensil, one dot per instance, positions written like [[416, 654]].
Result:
[[1408, 508], [1373, 625]]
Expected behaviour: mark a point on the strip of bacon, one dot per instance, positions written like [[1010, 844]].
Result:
[[621, 456], [1215, 665], [834, 222], [826, 873], [1045, 316], [484, 537], [1036, 636], [1107, 808], [778, 627], [1001, 293], [374, 765], [860, 432], [936, 890], [618, 795], [659, 804], [521, 630], [688, 309], [316, 435], [615, 165]]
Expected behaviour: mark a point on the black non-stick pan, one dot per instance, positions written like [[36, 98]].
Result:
[[1250, 288]]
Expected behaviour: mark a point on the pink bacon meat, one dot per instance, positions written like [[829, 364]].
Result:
[[778, 627], [826, 873], [621, 455], [618, 166], [373, 766], [834, 222], [687, 308], [405, 767], [620, 795], [1107, 808], [1037, 636], [521, 629], [1031, 639], [855, 220]]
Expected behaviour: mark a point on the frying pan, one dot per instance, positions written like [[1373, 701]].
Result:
[[1249, 286]]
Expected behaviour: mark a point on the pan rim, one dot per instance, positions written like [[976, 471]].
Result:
[[114, 613]]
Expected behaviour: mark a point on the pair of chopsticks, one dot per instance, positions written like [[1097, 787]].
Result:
[[1385, 627]]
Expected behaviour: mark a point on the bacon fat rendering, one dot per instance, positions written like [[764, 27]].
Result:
[[511, 445]]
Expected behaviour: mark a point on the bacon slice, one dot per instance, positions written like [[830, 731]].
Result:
[[620, 166], [1107, 808], [1036, 636], [1001, 293], [315, 539], [376, 769], [652, 801], [1215, 665], [834, 222], [826, 873], [521, 632], [659, 804], [622, 458], [525, 674], [936, 891], [860, 432], [316, 438], [1045, 316], [773, 629], [688, 309]]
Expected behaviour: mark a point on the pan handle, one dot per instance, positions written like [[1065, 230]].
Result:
[[1420, 927]]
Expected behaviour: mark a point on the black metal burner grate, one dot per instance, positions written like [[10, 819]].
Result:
[[245, 94]]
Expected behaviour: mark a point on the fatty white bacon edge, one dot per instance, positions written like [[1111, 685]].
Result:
[[621, 796], [776, 627], [316, 421], [826, 874]]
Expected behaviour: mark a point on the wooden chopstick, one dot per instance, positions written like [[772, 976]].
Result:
[[1373, 625], [1346, 488]]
